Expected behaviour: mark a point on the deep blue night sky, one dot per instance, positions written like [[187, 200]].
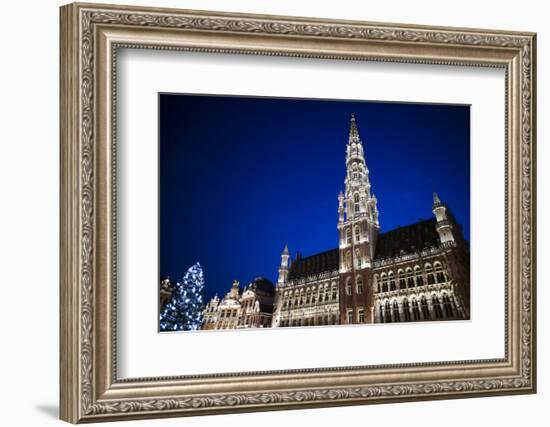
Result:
[[240, 177]]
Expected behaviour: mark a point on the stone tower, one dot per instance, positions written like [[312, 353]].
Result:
[[358, 228]]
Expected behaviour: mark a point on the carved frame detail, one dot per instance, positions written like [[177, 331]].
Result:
[[90, 390]]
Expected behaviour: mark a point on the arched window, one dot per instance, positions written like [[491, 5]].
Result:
[[357, 258], [327, 292], [447, 305], [348, 259], [359, 284], [415, 310], [334, 291], [377, 286], [406, 312], [384, 280], [301, 296], [401, 276], [418, 276], [439, 273], [387, 314], [357, 233], [425, 309], [349, 287], [410, 279], [437, 307], [430, 274], [308, 296], [348, 236], [356, 202], [381, 313], [313, 295], [392, 281], [396, 317]]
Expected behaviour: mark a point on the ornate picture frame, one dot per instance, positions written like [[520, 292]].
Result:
[[90, 37]]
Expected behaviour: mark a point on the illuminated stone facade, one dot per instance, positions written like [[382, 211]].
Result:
[[419, 272], [251, 307]]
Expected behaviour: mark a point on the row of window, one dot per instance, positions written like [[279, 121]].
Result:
[[418, 310], [358, 286], [357, 228], [311, 321], [360, 316], [410, 279], [228, 313], [310, 296]]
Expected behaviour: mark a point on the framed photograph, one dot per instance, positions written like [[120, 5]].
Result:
[[266, 213]]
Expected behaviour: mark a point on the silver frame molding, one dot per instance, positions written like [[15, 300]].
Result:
[[90, 36]]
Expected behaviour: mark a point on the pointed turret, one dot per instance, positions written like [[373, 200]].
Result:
[[341, 208], [445, 226], [283, 268]]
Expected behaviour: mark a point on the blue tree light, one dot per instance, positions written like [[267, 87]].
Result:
[[184, 312]]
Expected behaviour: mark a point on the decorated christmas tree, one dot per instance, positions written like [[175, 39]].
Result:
[[184, 311]]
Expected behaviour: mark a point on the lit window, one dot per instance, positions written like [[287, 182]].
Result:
[[447, 305], [396, 317], [418, 276], [439, 273], [406, 312], [425, 309], [348, 260], [415, 310], [387, 314], [429, 274], [410, 279], [392, 281], [402, 284], [437, 307], [359, 285], [349, 288]]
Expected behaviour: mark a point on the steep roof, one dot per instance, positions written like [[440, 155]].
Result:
[[262, 284], [399, 241], [410, 238], [314, 264]]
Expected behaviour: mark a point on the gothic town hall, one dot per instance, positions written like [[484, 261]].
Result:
[[419, 272], [412, 273]]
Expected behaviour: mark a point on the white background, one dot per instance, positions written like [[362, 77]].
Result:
[[141, 347], [29, 171]]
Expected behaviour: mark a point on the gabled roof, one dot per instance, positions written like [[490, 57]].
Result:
[[407, 239], [314, 264], [399, 241]]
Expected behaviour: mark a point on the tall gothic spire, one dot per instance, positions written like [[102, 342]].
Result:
[[357, 208], [358, 198], [353, 132]]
